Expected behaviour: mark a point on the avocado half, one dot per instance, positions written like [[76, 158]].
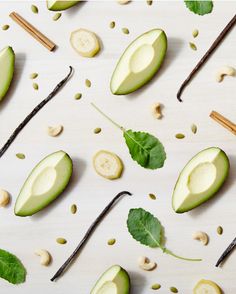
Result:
[[58, 5], [200, 179], [139, 62], [113, 281], [7, 64], [45, 183]]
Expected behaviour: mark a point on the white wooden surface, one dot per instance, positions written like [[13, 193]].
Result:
[[91, 192]]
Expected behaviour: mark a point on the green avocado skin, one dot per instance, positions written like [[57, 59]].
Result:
[[9, 72], [62, 5], [217, 187]]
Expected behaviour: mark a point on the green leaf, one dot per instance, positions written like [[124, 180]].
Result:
[[144, 227], [146, 149], [199, 7], [11, 268]]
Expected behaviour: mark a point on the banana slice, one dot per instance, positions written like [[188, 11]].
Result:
[[206, 287], [85, 42], [107, 165]]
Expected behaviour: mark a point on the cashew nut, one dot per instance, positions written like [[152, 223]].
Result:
[[156, 110], [201, 236], [4, 198], [225, 71], [145, 264], [123, 1], [45, 256], [55, 131]]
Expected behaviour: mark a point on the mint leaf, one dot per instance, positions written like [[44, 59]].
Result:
[[11, 268], [145, 228], [199, 7], [146, 149]]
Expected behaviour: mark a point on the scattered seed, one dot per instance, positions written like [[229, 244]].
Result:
[[78, 96], [61, 241], [195, 33], [180, 136], [156, 287], [56, 16], [149, 2], [5, 27], [35, 86], [55, 131], [192, 46], [112, 24], [125, 31], [88, 83], [33, 76], [194, 128], [219, 230], [20, 155], [34, 9], [174, 290], [73, 208], [97, 130], [152, 196], [111, 241]]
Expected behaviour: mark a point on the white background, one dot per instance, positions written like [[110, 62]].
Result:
[[89, 191]]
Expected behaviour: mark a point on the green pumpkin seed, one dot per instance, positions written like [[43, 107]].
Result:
[[149, 2], [33, 76], [56, 16], [219, 230], [73, 208], [193, 46], [5, 27], [20, 155], [112, 24], [34, 9], [195, 33], [174, 290], [35, 86], [78, 96], [152, 196], [61, 241], [180, 136], [88, 83], [97, 130], [156, 287], [111, 241], [194, 128], [125, 31]]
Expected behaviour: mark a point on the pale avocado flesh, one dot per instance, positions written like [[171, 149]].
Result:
[[44, 184], [140, 61], [58, 5], [200, 179], [113, 281], [7, 60]]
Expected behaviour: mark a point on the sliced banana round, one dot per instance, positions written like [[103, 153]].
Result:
[[107, 164], [85, 42], [206, 286]]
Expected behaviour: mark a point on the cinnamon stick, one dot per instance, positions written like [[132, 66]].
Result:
[[223, 121]]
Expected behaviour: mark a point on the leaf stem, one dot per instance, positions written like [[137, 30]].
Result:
[[107, 117], [167, 251]]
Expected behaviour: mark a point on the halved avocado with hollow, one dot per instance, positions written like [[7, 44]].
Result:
[[139, 63], [113, 281], [200, 179], [7, 63], [58, 5], [45, 183]]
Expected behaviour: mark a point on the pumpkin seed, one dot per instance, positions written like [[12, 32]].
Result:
[[78, 96], [219, 230], [180, 136], [125, 31], [156, 287], [20, 155], [192, 46], [149, 2], [73, 208], [97, 130], [88, 83], [152, 196], [34, 9], [56, 16], [174, 290], [61, 241], [111, 241], [194, 128], [5, 27], [33, 76], [195, 33], [112, 24], [35, 86]]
